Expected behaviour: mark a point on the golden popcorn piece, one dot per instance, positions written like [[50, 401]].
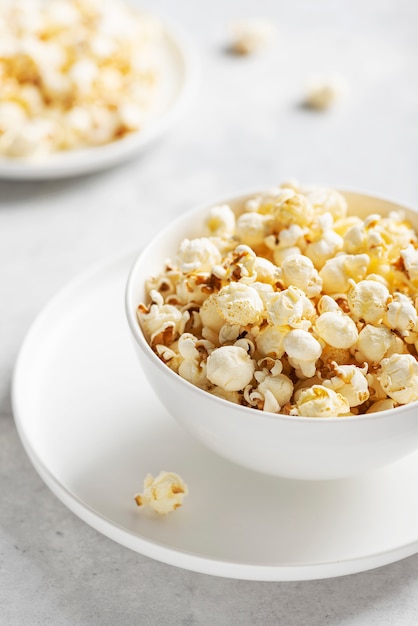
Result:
[[164, 493], [320, 401], [322, 92], [251, 35]]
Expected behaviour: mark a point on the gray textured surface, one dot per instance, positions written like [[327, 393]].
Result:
[[246, 130]]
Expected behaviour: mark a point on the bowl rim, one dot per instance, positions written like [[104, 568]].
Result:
[[142, 343]]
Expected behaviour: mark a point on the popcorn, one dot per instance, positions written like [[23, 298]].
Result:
[[269, 341], [303, 351], [351, 382], [324, 248], [336, 329], [336, 272], [251, 35], [399, 377], [323, 91], [368, 300], [198, 255], [291, 306], [221, 221], [252, 227], [230, 367], [326, 200], [298, 271], [238, 303], [164, 493], [401, 315], [320, 401], [271, 394], [410, 259], [162, 322], [62, 57], [374, 343], [292, 208]]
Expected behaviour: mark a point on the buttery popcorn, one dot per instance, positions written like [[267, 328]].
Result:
[[291, 306], [251, 35], [74, 73], [164, 493], [323, 91]]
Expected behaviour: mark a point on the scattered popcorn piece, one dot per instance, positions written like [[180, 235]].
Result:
[[303, 351], [230, 367], [320, 401], [289, 294], [399, 377], [251, 35], [323, 91], [164, 493]]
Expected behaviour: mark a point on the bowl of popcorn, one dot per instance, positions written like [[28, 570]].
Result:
[[280, 328], [86, 84]]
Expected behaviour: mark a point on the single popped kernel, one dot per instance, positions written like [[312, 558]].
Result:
[[399, 377], [336, 329], [290, 305], [164, 493], [368, 300], [251, 35], [238, 303], [299, 271], [303, 350], [320, 401], [323, 91], [230, 367], [351, 382]]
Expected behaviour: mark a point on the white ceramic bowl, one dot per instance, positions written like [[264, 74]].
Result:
[[281, 445]]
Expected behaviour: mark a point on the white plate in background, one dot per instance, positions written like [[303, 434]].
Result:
[[93, 429], [178, 86]]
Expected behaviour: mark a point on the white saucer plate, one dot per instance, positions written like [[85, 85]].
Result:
[[93, 429], [175, 95]]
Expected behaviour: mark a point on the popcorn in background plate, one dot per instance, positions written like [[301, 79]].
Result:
[[74, 73], [289, 305], [164, 493]]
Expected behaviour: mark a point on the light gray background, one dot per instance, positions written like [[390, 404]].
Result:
[[247, 129]]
